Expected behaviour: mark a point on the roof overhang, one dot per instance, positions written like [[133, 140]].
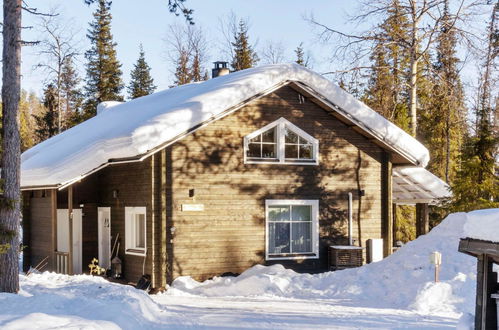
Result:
[[476, 248], [412, 185], [399, 156]]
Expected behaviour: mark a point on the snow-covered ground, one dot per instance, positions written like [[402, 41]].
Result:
[[397, 292]]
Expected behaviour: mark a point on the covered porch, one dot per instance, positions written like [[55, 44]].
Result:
[[418, 187]]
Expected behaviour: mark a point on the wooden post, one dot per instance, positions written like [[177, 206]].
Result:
[[26, 225], [163, 243], [485, 310], [70, 214], [153, 223], [386, 203], [53, 216], [394, 216], [422, 219]]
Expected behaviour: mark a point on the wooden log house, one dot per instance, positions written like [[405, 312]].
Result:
[[253, 167]]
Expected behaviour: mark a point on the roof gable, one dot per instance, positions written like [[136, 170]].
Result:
[[143, 125]]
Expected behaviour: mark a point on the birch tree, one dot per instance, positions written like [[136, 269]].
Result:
[[423, 18], [56, 48]]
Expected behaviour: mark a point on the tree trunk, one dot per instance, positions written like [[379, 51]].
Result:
[[10, 207], [413, 96], [447, 147], [413, 101]]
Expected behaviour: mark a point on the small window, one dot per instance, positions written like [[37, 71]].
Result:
[[264, 145], [135, 230], [292, 229], [281, 142]]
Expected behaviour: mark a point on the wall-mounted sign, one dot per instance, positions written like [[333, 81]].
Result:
[[193, 207]]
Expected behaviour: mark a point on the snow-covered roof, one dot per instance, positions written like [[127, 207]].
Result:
[[417, 185], [139, 126], [483, 225]]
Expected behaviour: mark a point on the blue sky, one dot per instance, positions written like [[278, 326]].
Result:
[[147, 21]]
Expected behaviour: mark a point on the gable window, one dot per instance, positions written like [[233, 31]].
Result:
[[281, 142], [135, 230], [292, 230]]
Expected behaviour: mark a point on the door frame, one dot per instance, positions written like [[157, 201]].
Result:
[[79, 226], [99, 233]]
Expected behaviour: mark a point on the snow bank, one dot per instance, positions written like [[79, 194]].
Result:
[[52, 300], [483, 225], [403, 280], [135, 127]]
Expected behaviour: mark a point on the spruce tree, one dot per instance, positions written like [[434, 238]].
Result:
[[300, 56], [477, 182], [71, 95], [441, 123], [141, 82], [104, 81], [386, 90], [244, 55], [47, 122], [182, 70], [196, 67]]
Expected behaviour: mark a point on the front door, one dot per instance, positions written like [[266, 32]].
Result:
[[104, 222], [63, 236]]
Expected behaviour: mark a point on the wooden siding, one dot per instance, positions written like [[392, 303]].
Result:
[[229, 235], [133, 185], [38, 229], [132, 182]]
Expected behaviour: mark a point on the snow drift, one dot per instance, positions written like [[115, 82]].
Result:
[[403, 280], [397, 291]]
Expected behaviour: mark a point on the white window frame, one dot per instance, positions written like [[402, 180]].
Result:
[[130, 244], [314, 203], [281, 125]]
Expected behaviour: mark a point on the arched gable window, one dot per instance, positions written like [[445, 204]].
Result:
[[281, 142]]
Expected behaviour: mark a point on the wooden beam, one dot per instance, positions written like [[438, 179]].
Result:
[[386, 203], [26, 225], [70, 217], [394, 215], [153, 224], [53, 216], [164, 255], [422, 219]]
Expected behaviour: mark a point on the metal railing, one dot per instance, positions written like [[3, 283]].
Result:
[[62, 262]]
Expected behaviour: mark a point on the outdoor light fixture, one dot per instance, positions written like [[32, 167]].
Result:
[[191, 192], [115, 193]]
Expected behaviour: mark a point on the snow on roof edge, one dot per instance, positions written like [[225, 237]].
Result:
[[94, 142], [482, 225]]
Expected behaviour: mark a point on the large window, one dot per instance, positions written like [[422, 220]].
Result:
[[281, 142], [135, 230], [292, 229]]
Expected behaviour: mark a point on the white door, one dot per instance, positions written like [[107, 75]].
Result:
[[104, 223], [63, 236]]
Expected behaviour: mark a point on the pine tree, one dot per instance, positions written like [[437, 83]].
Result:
[[141, 82], [104, 81], [441, 123], [71, 95], [477, 182], [47, 122], [244, 55]]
